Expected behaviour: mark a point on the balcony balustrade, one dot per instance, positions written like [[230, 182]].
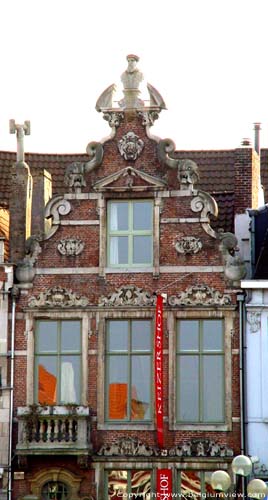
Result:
[[53, 429]]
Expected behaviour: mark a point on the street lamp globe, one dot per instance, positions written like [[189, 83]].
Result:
[[220, 480], [257, 489], [242, 465]]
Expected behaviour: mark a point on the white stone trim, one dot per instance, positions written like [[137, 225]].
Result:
[[183, 220], [254, 284], [111, 270], [79, 222]]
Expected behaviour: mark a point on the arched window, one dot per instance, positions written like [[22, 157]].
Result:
[[55, 490], [56, 484]]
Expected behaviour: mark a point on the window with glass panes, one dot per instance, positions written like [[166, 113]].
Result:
[[55, 490], [57, 362], [130, 228], [200, 371], [128, 356], [128, 484], [195, 484]]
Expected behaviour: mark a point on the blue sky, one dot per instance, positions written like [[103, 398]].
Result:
[[208, 59]]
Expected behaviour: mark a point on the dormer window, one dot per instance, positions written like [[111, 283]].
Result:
[[130, 233]]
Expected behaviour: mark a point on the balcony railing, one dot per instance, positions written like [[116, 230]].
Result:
[[53, 429]]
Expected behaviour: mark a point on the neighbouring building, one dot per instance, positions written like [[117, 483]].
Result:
[[94, 240], [255, 326]]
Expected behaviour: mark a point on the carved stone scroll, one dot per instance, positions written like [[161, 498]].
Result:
[[188, 174], [74, 176], [113, 118], [56, 207], [254, 321], [155, 97], [71, 246], [58, 297], [235, 268], [205, 204], [128, 447], [105, 100], [95, 152], [129, 295], [200, 295], [201, 448], [164, 148], [148, 118], [188, 245], [25, 270]]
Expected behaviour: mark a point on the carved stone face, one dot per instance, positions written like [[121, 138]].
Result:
[[130, 146], [188, 173], [132, 62]]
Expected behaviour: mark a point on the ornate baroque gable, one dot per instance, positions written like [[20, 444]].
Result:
[[58, 297], [129, 295], [130, 178], [200, 295]]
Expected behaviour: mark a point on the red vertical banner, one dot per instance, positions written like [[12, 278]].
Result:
[[164, 484], [158, 375]]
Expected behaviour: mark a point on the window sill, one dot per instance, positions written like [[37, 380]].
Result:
[[109, 270], [126, 426], [201, 427]]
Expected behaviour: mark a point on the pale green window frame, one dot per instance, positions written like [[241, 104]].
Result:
[[130, 233], [128, 355], [200, 354], [57, 354]]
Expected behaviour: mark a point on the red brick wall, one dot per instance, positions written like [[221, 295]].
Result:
[[93, 286]]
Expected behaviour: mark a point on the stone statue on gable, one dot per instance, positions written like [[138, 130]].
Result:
[[132, 77]]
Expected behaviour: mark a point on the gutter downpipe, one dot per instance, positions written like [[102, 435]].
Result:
[[242, 383], [11, 405]]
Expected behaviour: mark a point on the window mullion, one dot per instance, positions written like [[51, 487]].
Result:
[[201, 373], [59, 362], [129, 370], [130, 233]]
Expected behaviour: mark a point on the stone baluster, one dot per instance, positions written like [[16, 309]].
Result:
[[56, 429], [49, 429]]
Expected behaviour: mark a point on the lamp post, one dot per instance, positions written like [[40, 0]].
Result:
[[241, 467]]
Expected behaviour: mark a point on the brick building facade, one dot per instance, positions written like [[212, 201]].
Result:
[[111, 230]]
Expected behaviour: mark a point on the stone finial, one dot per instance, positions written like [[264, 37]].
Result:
[[21, 131]]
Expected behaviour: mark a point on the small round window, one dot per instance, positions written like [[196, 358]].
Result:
[[55, 490]]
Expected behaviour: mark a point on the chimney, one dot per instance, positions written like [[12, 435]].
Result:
[[257, 128], [20, 195], [245, 142], [42, 192]]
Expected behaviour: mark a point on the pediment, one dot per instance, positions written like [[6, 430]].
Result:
[[129, 179]]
